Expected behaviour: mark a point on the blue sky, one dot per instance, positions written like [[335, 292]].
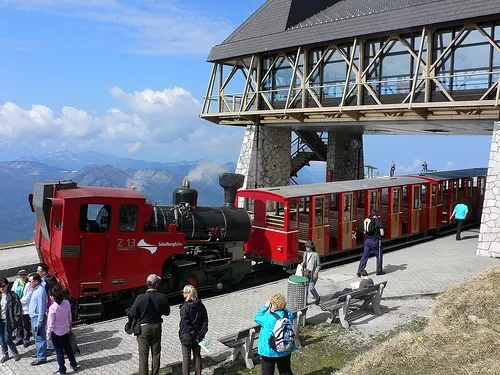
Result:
[[127, 77]]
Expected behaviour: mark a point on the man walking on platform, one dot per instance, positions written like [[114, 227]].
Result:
[[460, 213], [373, 228]]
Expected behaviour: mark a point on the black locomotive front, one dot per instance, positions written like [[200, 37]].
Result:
[[203, 225]]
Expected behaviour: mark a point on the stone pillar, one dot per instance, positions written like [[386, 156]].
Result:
[[345, 156], [489, 233], [269, 163]]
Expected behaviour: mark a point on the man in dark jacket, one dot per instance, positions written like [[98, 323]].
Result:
[[148, 308]]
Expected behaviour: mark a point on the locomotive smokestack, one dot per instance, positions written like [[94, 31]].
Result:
[[230, 182]]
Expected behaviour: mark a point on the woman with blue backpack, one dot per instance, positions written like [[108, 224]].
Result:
[[276, 338]]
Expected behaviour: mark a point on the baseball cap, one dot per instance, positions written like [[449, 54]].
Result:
[[153, 278], [22, 272]]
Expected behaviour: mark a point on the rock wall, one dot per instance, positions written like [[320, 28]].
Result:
[[489, 234], [267, 164], [345, 156]]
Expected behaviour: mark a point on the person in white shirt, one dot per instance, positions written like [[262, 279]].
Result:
[[23, 290]]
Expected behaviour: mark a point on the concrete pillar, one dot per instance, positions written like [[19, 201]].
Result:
[[269, 163], [489, 234], [345, 156]]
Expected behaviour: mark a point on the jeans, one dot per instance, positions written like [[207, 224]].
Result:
[[283, 363], [6, 338], [186, 357], [312, 289], [24, 331], [372, 245], [460, 222], [62, 346], [150, 337], [40, 339]]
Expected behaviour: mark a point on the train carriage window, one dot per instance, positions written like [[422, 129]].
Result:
[[454, 191], [334, 203], [127, 217], [434, 195], [347, 208], [95, 218], [441, 194], [396, 203], [416, 197], [294, 215], [318, 211]]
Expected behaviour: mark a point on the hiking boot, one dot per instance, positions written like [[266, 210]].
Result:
[[358, 274], [5, 357], [17, 357], [381, 273]]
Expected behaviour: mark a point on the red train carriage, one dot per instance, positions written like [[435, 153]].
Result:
[[332, 214]]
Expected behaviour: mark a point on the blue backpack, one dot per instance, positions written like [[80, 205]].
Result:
[[283, 336]]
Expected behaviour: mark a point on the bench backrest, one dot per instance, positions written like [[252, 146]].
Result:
[[360, 293]]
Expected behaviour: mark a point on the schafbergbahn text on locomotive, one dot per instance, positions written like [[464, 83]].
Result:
[[101, 242]]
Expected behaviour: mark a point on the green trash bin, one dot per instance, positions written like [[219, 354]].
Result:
[[296, 293]]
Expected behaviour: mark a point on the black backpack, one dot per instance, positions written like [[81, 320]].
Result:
[[369, 226]]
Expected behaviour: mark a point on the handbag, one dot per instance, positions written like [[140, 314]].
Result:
[[72, 343], [305, 272]]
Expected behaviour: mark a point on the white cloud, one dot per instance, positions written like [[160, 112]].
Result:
[[148, 26], [206, 171], [413, 168], [449, 165], [164, 123]]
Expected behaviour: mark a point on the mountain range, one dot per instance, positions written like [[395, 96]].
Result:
[[156, 180]]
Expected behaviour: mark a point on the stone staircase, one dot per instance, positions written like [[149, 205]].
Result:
[[307, 146]]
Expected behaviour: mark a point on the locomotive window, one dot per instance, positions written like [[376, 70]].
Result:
[[95, 218], [127, 219]]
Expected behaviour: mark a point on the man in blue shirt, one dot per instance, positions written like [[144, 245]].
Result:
[[460, 212], [38, 310]]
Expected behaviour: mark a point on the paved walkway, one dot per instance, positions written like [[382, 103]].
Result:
[[14, 258], [425, 268]]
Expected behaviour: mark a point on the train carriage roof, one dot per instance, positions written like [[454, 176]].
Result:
[[460, 173], [337, 187], [295, 191]]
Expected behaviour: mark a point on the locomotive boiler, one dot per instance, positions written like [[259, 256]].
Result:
[[101, 243]]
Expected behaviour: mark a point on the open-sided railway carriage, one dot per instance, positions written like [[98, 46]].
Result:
[[332, 214]]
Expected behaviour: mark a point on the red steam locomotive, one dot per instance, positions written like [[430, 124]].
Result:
[[101, 242]]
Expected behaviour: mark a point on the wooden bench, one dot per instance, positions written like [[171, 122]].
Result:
[[345, 304], [244, 341]]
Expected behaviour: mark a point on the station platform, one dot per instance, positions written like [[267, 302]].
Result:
[[426, 268], [12, 259]]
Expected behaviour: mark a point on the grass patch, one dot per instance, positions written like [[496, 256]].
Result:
[[17, 243], [461, 337], [412, 326], [326, 347]]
